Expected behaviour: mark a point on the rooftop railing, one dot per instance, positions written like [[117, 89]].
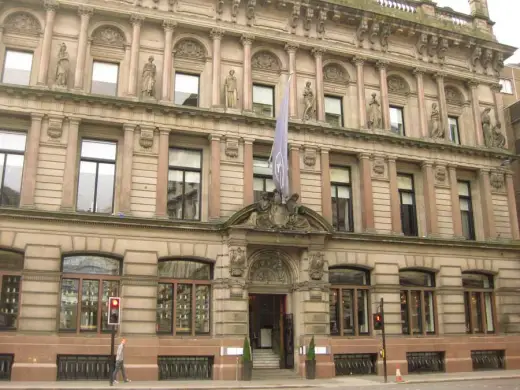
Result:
[[456, 18], [403, 5]]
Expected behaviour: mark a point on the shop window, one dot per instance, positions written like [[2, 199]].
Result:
[[479, 303], [417, 302], [184, 297], [87, 283], [12, 148], [11, 266], [349, 302], [184, 184]]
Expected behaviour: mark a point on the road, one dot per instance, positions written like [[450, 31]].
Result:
[[497, 384]]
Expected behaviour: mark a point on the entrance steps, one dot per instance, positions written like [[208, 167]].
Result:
[[265, 359], [274, 374]]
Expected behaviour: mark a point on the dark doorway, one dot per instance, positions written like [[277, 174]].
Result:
[[270, 328]]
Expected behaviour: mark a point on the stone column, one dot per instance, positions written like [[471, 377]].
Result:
[[168, 26], [360, 75], [214, 193], [477, 120], [161, 196], [216, 34], [136, 20], [291, 48], [443, 106], [395, 203], [320, 97], [326, 201], [423, 119], [294, 155], [247, 41], [367, 197], [511, 203], [430, 199], [248, 172], [487, 205], [71, 166], [31, 162], [85, 14], [126, 178], [385, 102], [50, 8], [455, 202]]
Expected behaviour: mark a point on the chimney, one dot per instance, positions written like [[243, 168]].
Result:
[[479, 9]]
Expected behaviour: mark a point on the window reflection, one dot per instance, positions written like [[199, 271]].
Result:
[[453, 123], [478, 303], [104, 78], [334, 110], [17, 67], [341, 191], [417, 302], [186, 90], [397, 120], [12, 147], [263, 100], [184, 184], [262, 177]]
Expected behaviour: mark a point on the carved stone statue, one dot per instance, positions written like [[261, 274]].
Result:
[[374, 114], [308, 99], [436, 129], [148, 82], [271, 213], [230, 88], [237, 261], [486, 128], [316, 264], [62, 68], [499, 140]]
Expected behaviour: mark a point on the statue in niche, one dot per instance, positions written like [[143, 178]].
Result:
[[62, 68], [499, 140], [308, 99], [149, 73], [230, 88], [374, 113], [486, 128], [436, 130]]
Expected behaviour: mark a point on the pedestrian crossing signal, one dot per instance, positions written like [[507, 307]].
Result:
[[114, 310], [378, 321]]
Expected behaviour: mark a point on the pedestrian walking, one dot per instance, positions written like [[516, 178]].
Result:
[[120, 365]]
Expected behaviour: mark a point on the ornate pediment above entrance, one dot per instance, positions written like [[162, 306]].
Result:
[[270, 267], [272, 215]]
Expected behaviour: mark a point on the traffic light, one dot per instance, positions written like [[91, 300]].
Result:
[[114, 310], [378, 321]]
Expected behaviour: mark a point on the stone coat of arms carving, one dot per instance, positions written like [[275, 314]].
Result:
[[237, 261], [109, 36], [189, 48], [316, 265]]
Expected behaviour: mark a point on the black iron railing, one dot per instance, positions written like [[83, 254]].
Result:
[[424, 362], [83, 367], [185, 367], [355, 364], [6, 364], [488, 360]]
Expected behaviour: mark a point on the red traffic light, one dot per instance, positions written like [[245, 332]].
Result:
[[115, 302]]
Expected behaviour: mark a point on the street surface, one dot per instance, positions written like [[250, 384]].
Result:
[[497, 384]]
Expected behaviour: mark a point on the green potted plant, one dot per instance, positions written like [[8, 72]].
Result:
[[247, 362], [310, 361]]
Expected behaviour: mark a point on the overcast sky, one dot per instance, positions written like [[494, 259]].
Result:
[[504, 13]]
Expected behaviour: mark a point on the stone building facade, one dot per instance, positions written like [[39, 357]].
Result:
[[134, 146]]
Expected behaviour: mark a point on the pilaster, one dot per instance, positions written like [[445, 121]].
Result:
[[291, 49], [326, 202], [383, 85], [395, 204], [247, 41], [50, 14], [430, 199], [367, 197], [214, 193], [85, 13], [71, 167], [487, 205], [136, 20], [320, 98], [168, 27], [31, 162], [423, 121], [360, 75], [161, 197], [216, 35]]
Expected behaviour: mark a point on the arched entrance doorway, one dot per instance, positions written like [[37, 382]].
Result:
[[270, 278]]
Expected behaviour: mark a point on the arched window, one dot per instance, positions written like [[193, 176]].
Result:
[[417, 302], [348, 301], [478, 302], [87, 283], [11, 266], [184, 297]]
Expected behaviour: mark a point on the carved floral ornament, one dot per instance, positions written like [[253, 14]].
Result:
[[497, 181], [108, 36], [22, 23], [316, 265], [334, 73], [237, 261], [396, 84], [269, 268], [265, 61], [190, 48]]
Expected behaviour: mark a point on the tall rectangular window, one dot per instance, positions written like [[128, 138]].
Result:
[[11, 266], [453, 123], [97, 172], [466, 210], [397, 120], [417, 302], [406, 189], [341, 191], [334, 110], [12, 147], [184, 183], [479, 303], [263, 100], [187, 89], [262, 177], [17, 67], [104, 78]]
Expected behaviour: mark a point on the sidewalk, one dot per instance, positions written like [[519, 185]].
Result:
[[338, 382]]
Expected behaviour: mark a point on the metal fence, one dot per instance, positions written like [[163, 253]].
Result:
[[425, 362], [83, 367], [488, 360], [185, 367], [355, 364], [6, 363]]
